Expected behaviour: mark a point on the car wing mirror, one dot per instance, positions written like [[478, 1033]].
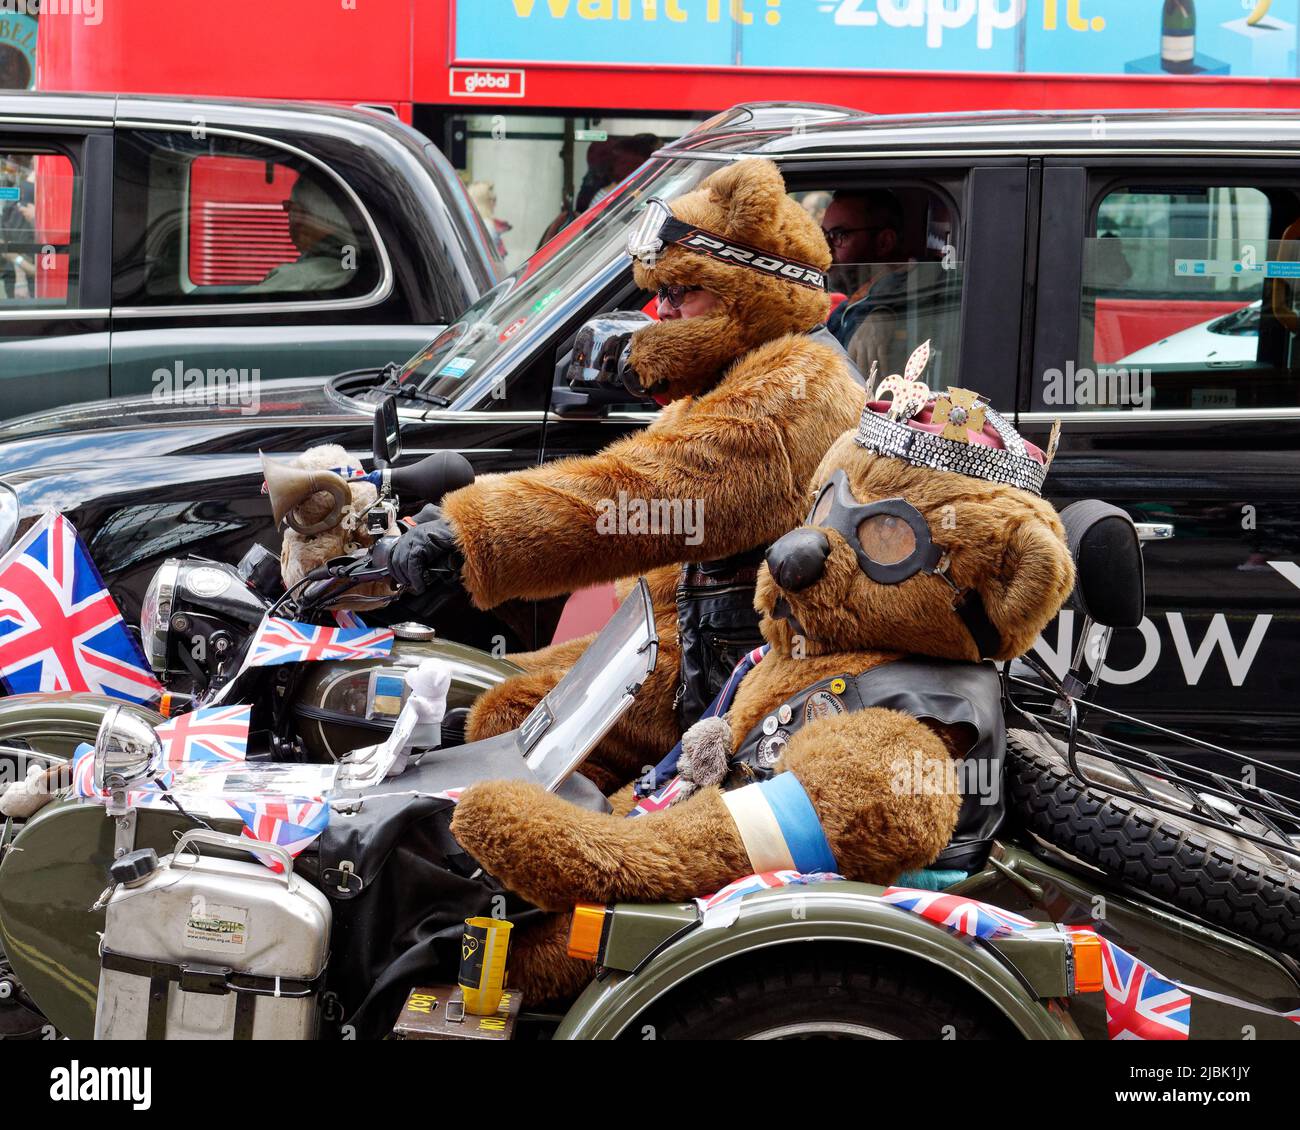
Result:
[[595, 374]]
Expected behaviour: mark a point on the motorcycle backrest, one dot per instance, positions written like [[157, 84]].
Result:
[[1109, 585]]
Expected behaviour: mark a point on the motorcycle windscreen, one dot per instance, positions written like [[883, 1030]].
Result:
[[580, 709]]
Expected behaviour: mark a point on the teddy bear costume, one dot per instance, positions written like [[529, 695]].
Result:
[[752, 399], [927, 551]]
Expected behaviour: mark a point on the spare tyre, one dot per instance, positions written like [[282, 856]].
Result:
[[1245, 887]]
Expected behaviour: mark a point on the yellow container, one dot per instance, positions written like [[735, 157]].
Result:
[[483, 964]]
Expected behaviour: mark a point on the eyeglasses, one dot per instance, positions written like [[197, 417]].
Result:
[[676, 295], [837, 237]]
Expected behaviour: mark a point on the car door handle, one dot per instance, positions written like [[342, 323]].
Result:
[[1154, 531]]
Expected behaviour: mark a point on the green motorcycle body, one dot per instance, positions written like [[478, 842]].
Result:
[[53, 868]]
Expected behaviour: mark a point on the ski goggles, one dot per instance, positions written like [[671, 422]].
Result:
[[892, 542], [657, 228]]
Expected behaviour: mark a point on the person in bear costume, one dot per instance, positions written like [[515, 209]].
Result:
[[927, 550], [752, 398]]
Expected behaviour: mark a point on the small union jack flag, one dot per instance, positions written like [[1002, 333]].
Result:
[[209, 735], [1140, 1004], [664, 798], [60, 630], [291, 641], [764, 881], [291, 822], [965, 915]]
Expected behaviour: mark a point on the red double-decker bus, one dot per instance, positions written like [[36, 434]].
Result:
[[543, 103]]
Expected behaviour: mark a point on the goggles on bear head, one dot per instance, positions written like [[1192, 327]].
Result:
[[892, 542], [657, 228]]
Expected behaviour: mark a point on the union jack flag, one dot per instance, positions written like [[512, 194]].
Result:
[[291, 822], [291, 641], [1140, 1004], [967, 916], [210, 735], [764, 881], [59, 628], [664, 798]]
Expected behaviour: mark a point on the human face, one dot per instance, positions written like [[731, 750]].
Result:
[[694, 304], [304, 229], [862, 238]]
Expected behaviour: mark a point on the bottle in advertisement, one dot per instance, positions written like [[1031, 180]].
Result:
[[1178, 36]]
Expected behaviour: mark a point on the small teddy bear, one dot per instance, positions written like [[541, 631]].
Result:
[[344, 533], [927, 552]]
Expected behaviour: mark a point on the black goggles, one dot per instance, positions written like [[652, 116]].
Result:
[[892, 542], [890, 537], [657, 228]]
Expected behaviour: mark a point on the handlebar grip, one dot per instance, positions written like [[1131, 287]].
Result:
[[432, 477]]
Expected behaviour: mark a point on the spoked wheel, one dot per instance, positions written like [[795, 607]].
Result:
[[821, 993], [1249, 888]]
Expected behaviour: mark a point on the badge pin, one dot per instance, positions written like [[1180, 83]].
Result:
[[837, 686], [771, 749], [821, 704], [785, 713]]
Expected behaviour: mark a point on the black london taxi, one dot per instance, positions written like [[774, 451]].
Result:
[[1131, 274]]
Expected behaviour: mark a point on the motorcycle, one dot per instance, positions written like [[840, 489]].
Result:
[[1143, 884], [200, 617]]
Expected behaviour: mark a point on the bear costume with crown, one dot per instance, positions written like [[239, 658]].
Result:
[[926, 552], [752, 397]]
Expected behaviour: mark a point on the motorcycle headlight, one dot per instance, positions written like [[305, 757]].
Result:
[[127, 751], [156, 614]]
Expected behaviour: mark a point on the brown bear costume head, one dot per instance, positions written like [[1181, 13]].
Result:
[[733, 218], [1000, 565]]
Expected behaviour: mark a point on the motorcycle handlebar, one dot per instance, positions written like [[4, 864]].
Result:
[[432, 477]]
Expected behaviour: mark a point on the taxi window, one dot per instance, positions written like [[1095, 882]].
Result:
[[897, 275], [225, 220], [1191, 300], [39, 243]]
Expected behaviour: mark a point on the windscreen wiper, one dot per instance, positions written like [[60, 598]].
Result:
[[392, 384]]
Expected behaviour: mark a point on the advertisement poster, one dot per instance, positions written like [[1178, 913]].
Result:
[[1235, 38], [17, 50]]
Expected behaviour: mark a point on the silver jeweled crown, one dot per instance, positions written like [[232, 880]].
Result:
[[950, 450]]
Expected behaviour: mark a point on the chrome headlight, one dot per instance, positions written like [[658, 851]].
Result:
[[156, 613], [127, 752]]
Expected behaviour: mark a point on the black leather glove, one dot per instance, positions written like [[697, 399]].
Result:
[[426, 554]]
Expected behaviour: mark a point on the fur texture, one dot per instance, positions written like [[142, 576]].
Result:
[[745, 202], [741, 455], [1003, 542]]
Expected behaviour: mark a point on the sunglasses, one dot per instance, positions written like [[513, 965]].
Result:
[[676, 295], [837, 237]]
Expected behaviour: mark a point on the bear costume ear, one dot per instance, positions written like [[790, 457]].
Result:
[[1035, 577], [750, 193]]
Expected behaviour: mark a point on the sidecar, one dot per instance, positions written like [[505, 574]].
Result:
[[1144, 885]]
